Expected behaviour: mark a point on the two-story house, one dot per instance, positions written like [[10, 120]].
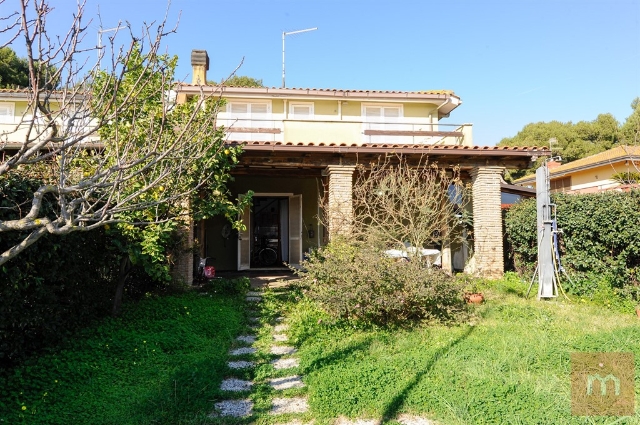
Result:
[[303, 144]]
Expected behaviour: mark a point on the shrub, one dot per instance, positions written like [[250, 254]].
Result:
[[361, 283]]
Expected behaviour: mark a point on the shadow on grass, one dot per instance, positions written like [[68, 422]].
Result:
[[392, 408], [336, 356]]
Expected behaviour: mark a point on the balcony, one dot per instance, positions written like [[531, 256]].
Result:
[[344, 131]]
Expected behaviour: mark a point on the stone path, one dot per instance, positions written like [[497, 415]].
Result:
[[280, 405], [285, 360]]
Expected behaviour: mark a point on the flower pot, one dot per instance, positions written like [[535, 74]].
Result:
[[474, 298]]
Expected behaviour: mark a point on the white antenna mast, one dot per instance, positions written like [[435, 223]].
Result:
[[100, 32], [291, 33]]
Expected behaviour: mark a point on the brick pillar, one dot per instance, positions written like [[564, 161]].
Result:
[[488, 260], [339, 212]]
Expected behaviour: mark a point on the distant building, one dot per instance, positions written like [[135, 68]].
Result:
[[591, 174]]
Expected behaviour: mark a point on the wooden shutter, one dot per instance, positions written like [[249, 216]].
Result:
[[244, 241], [295, 230]]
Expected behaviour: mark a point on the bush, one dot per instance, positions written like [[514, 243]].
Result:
[[363, 284]]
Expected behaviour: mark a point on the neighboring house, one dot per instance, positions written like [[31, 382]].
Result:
[[591, 174], [16, 119], [303, 144]]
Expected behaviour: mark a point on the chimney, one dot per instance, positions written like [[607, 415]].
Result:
[[200, 66], [553, 164]]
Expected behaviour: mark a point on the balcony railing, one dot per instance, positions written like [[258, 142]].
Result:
[[343, 131]]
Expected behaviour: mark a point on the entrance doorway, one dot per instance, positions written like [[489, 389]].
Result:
[[273, 234]]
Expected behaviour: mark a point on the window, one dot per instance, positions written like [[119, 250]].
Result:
[[301, 110], [376, 113], [7, 112], [561, 185], [249, 114]]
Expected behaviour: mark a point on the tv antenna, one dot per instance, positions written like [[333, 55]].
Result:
[[283, 36]]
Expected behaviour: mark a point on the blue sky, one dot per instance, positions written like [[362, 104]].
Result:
[[512, 61]]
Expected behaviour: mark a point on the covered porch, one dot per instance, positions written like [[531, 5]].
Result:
[[289, 179]]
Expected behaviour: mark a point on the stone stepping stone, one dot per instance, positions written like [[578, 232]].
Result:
[[287, 382], [249, 339], [279, 319], [282, 350], [241, 364], [233, 384], [281, 337], [242, 350], [280, 406], [254, 319], [254, 294], [286, 363], [236, 408], [280, 328], [253, 299]]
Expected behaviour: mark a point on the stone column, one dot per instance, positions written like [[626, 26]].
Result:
[[339, 212], [488, 249]]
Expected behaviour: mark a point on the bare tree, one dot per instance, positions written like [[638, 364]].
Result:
[[108, 144], [398, 203]]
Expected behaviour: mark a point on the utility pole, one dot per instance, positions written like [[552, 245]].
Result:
[[283, 36]]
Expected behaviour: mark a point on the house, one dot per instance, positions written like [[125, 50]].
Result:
[[302, 144], [591, 174]]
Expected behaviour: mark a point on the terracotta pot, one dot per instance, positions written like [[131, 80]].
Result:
[[474, 298]]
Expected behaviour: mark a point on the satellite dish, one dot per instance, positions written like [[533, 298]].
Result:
[[226, 231]]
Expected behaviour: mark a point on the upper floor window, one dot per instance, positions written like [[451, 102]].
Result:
[[301, 110], [380, 113], [7, 110], [254, 111]]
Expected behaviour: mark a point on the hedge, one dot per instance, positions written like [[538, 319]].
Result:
[[601, 235]]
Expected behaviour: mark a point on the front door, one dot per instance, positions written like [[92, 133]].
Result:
[[273, 233]]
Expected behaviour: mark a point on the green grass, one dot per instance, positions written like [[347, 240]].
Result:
[[509, 364], [161, 362]]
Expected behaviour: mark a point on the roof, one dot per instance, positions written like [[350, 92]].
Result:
[[447, 100], [617, 154]]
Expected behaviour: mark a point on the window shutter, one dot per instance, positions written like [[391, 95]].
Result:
[[301, 110], [238, 108], [6, 112], [372, 111], [259, 108], [392, 112]]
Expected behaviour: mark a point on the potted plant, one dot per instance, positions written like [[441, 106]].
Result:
[[472, 294]]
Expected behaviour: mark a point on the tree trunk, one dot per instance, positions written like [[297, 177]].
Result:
[[125, 269]]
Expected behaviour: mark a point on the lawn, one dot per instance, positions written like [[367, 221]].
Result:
[[161, 362], [509, 364]]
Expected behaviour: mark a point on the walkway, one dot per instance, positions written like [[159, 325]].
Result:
[[272, 368]]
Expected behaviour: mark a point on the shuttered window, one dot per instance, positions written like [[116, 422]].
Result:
[[372, 113], [300, 110], [249, 114], [6, 112]]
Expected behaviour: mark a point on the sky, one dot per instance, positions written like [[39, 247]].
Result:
[[512, 62]]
